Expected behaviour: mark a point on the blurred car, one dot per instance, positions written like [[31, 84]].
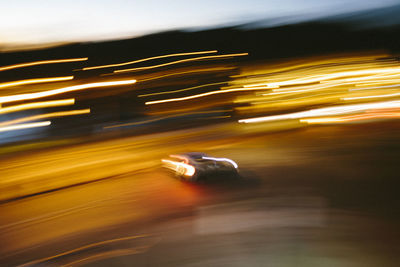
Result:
[[196, 166]]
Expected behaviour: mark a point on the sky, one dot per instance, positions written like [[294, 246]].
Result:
[[27, 22]]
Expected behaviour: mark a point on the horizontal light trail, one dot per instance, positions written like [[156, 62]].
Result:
[[150, 58], [42, 62], [35, 81], [24, 126], [44, 104], [12, 98], [336, 110], [202, 95], [180, 61], [46, 116]]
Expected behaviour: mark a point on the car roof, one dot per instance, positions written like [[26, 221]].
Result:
[[195, 155]]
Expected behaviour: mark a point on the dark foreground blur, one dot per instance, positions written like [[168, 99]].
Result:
[[323, 196]]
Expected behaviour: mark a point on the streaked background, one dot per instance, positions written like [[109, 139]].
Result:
[[303, 97]]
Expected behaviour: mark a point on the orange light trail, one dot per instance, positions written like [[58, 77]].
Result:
[[42, 62], [44, 104], [150, 58], [12, 98], [35, 81], [180, 61]]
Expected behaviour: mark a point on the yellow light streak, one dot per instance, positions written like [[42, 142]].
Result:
[[46, 116], [181, 90], [180, 61], [150, 58], [42, 62], [44, 104], [186, 72], [12, 98], [34, 81], [24, 126], [202, 95]]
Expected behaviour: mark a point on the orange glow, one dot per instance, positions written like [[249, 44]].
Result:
[[34, 81], [150, 58], [185, 160], [42, 62], [6, 99], [181, 61]]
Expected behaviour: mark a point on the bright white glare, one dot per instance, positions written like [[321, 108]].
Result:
[[189, 170], [24, 126], [325, 111]]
